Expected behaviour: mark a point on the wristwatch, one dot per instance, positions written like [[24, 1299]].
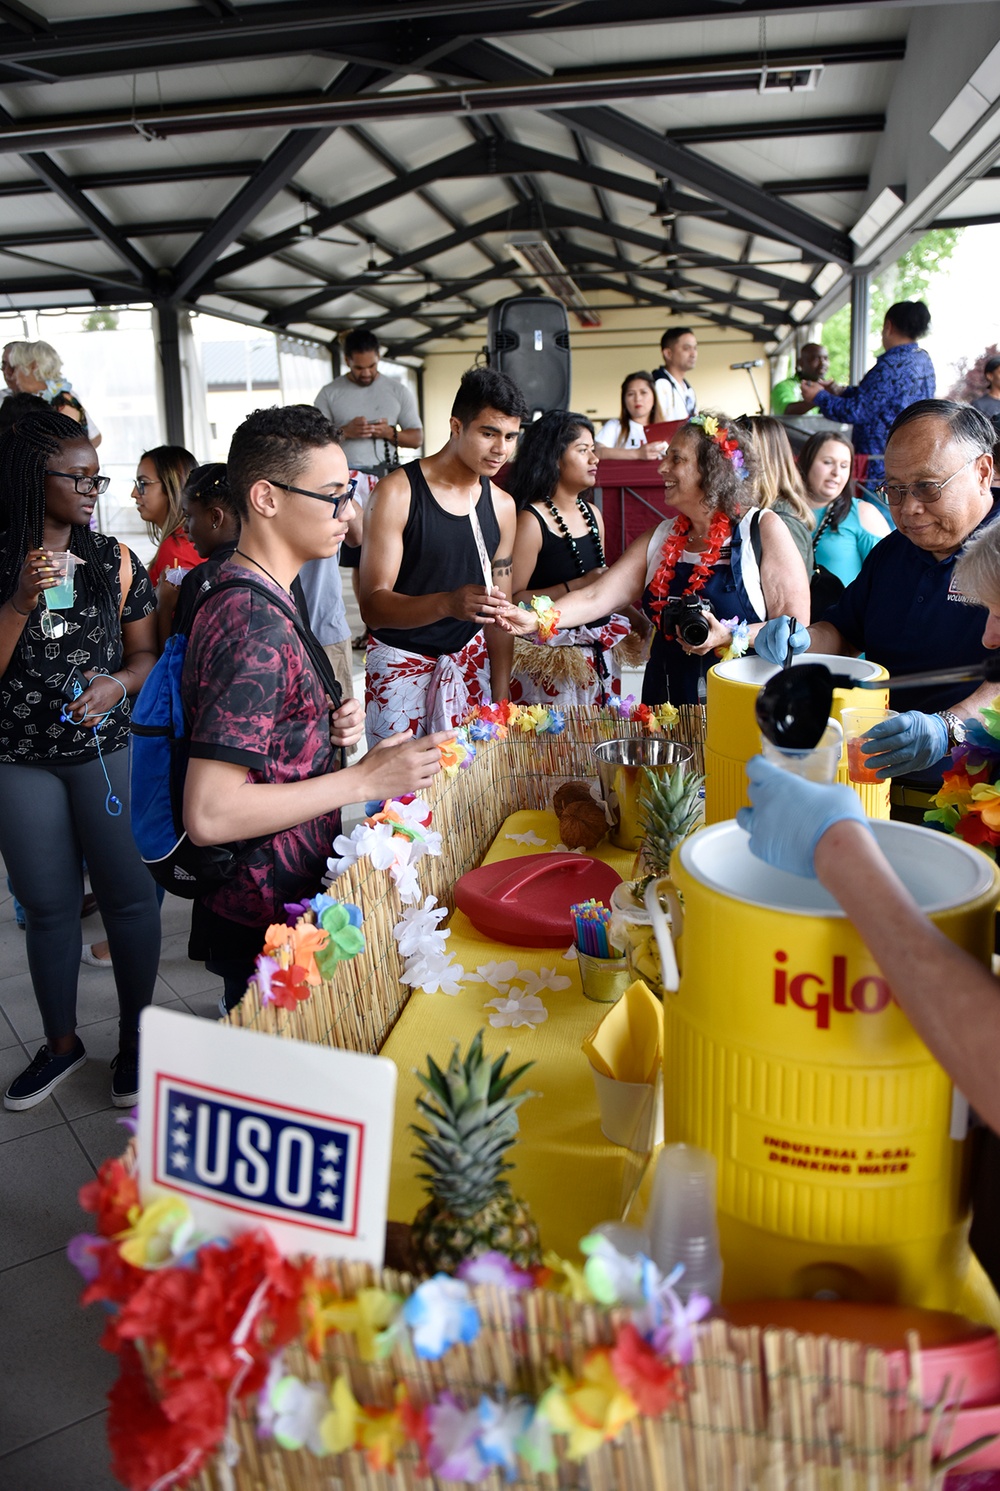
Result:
[[955, 727]]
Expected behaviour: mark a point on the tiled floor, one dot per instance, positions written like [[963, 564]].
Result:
[[52, 1435]]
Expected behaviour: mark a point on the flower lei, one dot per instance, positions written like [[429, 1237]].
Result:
[[199, 1324], [720, 436], [968, 802], [739, 640], [548, 616], [673, 547]]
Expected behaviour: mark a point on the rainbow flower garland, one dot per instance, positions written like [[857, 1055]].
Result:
[[968, 802], [720, 436], [496, 721], [199, 1325]]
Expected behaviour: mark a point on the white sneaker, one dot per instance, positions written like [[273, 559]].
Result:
[[87, 956]]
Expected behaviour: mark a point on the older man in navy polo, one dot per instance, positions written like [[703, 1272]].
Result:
[[904, 610]]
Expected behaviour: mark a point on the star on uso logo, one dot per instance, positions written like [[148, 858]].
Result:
[[256, 1157]]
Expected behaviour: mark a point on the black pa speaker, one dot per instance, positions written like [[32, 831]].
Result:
[[529, 341]]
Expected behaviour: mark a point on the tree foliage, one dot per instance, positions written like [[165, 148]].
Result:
[[908, 279], [103, 318]]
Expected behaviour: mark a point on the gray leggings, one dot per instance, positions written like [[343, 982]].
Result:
[[52, 817]]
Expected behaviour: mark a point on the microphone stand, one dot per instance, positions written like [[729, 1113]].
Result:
[[760, 406]]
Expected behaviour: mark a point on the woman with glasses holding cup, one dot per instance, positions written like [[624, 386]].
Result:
[[66, 675]]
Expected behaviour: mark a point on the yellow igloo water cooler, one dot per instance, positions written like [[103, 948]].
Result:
[[732, 734], [786, 1055]]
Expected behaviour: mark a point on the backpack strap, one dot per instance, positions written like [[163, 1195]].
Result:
[[317, 656]]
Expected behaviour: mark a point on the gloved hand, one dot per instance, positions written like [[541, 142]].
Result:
[[771, 642], [909, 742], [790, 815]]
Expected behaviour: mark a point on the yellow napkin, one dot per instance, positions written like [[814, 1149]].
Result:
[[628, 1043]]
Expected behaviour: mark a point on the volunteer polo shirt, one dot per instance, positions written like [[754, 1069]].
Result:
[[904, 612]]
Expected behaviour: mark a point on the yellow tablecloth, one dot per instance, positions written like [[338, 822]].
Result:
[[563, 1166]]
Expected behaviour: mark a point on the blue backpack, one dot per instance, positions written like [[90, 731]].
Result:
[[159, 759]]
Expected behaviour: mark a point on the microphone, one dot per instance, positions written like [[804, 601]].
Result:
[[738, 367]]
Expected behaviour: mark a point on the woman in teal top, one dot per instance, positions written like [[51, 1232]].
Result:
[[846, 530]]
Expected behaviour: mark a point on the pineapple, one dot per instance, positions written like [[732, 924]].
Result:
[[669, 808], [471, 1121]]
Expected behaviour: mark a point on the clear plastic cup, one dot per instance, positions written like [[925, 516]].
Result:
[[682, 1223], [59, 597], [816, 765], [857, 723]]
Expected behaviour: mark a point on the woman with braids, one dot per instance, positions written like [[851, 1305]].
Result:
[[64, 759], [717, 562], [559, 546]]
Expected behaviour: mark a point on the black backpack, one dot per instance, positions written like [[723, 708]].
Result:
[[159, 759]]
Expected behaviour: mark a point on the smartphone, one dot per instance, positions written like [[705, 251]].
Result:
[[73, 685]]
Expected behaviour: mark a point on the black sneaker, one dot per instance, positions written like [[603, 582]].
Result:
[[45, 1072], [125, 1082]]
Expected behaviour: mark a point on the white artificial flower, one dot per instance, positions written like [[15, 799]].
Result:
[[526, 838], [418, 923], [446, 980], [376, 841], [524, 1009], [498, 975], [546, 978]]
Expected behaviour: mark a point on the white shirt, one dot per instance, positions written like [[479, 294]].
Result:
[[676, 399], [609, 432]]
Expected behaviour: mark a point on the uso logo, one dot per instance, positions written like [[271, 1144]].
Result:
[[261, 1158]]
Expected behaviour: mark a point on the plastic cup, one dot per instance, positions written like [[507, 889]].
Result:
[[682, 1223], [631, 1112], [857, 723], [603, 979], [817, 765], [59, 597]]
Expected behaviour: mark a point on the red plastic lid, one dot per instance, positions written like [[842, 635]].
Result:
[[526, 901]]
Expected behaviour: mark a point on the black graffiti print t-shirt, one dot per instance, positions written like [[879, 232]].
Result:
[[254, 699]]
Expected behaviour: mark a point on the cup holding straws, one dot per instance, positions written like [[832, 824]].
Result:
[[604, 974]]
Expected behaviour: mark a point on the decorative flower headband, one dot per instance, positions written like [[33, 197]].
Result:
[[723, 439]]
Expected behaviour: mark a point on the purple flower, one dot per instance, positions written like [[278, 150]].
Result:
[[453, 1452], [82, 1251], [266, 969], [493, 1268]]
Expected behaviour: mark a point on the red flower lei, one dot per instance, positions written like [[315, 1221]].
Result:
[[719, 531]]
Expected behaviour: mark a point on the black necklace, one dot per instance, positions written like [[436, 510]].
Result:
[[591, 522], [257, 562]]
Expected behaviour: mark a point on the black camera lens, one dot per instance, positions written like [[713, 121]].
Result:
[[693, 628]]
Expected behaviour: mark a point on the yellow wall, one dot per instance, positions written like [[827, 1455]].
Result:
[[626, 341]]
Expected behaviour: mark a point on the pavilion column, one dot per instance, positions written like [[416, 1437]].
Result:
[[166, 330], [861, 285]]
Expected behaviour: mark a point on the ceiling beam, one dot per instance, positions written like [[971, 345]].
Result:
[[151, 39], [814, 185], [25, 237], [772, 216], [496, 223], [780, 129], [469, 161], [271, 177], [57, 181], [154, 176]]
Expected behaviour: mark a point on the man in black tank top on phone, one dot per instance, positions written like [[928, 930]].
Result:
[[436, 570]]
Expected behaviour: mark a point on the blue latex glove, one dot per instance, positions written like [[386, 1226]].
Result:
[[790, 815], [910, 742], [771, 641]]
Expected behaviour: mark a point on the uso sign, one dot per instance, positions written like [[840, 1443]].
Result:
[[256, 1131]]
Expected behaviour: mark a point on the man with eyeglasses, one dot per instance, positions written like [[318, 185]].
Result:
[[904, 610], [266, 730]]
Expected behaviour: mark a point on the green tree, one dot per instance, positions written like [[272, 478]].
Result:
[[907, 279], [103, 318]]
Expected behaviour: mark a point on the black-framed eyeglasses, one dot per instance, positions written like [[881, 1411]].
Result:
[[335, 502], [925, 492], [85, 485]]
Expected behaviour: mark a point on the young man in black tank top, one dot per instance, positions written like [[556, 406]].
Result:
[[436, 570]]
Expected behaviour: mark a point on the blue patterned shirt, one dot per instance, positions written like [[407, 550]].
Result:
[[900, 377]]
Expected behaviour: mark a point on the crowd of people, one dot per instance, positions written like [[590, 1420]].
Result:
[[463, 560]]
